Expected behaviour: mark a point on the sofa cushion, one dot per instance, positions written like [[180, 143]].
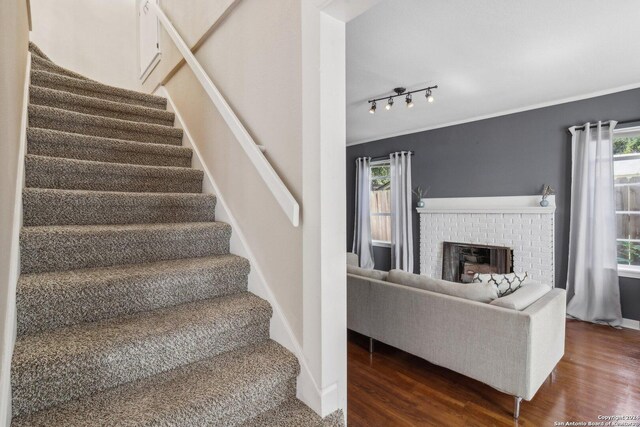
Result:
[[365, 272], [506, 283], [481, 292], [523, 297]]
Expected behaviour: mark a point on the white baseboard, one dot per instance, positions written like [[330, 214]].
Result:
[[9, 330], [631, 324], [280, 330]]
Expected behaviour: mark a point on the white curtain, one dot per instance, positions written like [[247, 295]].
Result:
[[362, 244], [592, 281], [401, 214]]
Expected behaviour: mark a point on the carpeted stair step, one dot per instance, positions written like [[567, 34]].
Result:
[[222, 391], [95, 89], [47, 301], [41, 116], [54, 143], [40, 64], [62, 248], [68, 363], [292, 413], [98, 107], [36, 51], [44, 206], [70, 174]]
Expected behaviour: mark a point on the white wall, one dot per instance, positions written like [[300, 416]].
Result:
[[96, 38], [14, 38]]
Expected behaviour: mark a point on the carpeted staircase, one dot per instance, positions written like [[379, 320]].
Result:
[[131, 310]]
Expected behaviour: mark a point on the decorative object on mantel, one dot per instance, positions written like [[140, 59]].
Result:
[[420, 193], [547, 191], [402, 91]]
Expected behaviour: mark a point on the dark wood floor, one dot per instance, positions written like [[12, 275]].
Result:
[[599, 375]]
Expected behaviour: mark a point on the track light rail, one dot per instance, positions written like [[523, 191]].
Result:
[[404, 93]]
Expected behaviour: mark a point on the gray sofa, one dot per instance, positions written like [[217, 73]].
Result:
[[512, 350]]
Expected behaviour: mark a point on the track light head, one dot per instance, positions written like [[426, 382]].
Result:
[[409, 101], [372, 110], [429, 96], [389, 104]]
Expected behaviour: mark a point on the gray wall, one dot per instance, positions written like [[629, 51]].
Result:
[[511, 155]]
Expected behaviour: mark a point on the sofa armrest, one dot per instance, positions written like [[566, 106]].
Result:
[[546, 338]]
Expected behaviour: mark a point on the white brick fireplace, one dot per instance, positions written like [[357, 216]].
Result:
[[516, 222]]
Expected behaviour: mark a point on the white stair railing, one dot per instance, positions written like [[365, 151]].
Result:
[[282, 194]]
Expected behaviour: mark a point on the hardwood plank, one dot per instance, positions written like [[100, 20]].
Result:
[[599, 375]]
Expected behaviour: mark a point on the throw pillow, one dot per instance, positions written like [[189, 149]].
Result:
[[505, 283]]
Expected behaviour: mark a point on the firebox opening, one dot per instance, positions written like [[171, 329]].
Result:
[[462, 260]]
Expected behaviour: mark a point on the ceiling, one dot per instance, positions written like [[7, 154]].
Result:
[[488, 58]]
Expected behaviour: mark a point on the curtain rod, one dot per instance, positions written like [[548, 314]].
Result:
[[608, 122], [374, 159]]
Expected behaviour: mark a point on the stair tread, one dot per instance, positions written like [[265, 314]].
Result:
[[66, 363], [98, 88], [58, 114], [63, 345], [119, 198], [40, 95], [292, 413], [71, 247], [40, 64], [74, 234], [52, 206], [198, 394], [61, 137], [60, 298], [63, 165]]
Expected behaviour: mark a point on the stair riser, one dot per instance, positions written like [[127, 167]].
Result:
[[80, 180], [70, 104], [266, 400], [92, 373], [54, 306], [43, 212], [105, 132], [107, 154], [55, 252]]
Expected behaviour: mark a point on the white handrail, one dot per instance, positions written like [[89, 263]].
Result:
[[284, 197]]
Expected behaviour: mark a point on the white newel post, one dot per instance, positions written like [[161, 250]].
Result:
[[517, 222]]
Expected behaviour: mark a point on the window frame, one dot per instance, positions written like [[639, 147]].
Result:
[[372, 164], [630, 271]]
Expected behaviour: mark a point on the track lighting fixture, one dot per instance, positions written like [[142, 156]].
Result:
[[389, 104], [401, 91], [409, 101], [429, 95]]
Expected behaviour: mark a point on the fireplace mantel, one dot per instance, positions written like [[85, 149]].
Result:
[[517, 222], [509, 204]]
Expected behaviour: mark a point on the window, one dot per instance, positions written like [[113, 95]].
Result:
[[380, 203], [626, 169]]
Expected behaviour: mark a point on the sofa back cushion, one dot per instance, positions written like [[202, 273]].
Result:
[[523, 297], [481, 292], [352, 259], [365, 272]]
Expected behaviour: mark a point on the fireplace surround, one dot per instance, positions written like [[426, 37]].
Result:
[[517, 222]]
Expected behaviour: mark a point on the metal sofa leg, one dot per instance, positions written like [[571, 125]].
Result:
[[370, 345], [516, 407]]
